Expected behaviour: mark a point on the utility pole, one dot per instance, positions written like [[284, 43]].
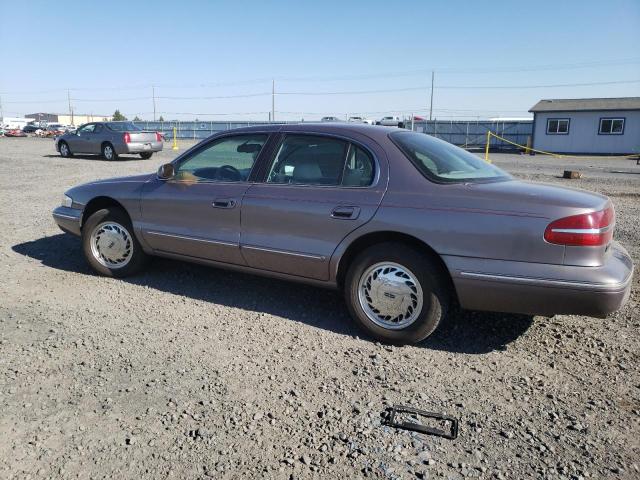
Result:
[[431, 104], [1, 111], [153, 93], [273, 100], [70, 109]]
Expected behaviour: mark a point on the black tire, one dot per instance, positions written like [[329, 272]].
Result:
[[108, 152], [64, 150], [113, 216], [433, 282], [146, 155]]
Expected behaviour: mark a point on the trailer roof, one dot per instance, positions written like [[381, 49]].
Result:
[[586, 104]]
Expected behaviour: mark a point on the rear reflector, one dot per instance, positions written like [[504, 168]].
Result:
[[586, 230], [126, 137]]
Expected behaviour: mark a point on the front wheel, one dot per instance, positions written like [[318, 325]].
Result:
[[64, 149], [396, 293], [109, 245], [146, 155], [108, 152]]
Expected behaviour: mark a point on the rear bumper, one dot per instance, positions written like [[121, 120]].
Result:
[[542, 289], [149, 147], [68, 219]]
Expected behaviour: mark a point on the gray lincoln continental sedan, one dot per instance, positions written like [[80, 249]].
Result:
[[405, 224]]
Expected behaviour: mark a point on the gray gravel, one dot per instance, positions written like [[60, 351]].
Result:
[[191, 372]]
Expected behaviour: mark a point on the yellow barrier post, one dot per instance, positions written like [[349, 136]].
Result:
[[486, 147], [175, 139]]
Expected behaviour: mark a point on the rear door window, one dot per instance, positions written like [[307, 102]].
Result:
[[318, 160]]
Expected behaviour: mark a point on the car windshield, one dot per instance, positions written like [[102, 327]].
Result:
[[442, 162], [123, 127]]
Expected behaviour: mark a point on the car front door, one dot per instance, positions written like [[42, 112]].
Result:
[[317, 189], [79, 143], [197, 212]]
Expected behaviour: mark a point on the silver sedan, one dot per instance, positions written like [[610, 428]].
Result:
[[109, 139]]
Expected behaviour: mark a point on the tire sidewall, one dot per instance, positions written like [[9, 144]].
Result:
[[146, 156], [435, 295], [116, 215]]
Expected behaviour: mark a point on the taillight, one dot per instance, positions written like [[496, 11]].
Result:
[[158, 137], [126, 137], [586, 230]]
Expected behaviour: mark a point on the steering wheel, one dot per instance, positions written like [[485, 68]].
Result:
[[227, 172]]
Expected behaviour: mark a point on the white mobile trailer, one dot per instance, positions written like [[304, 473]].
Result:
[[15, 123]]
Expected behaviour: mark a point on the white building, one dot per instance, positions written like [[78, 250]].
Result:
[[14, 123], [587, 125]]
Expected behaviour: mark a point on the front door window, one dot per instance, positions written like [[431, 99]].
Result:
[[229, 159]]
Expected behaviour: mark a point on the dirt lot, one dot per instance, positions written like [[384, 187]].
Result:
[[191, 372]]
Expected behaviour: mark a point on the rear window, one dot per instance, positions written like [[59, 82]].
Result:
[[123, 127], [445, 163]]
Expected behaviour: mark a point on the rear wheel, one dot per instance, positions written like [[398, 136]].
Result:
[[108, 152], [146, 155], [64, 149], [396, 293], [109, 244]]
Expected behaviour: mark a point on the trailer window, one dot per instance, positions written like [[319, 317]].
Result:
[[557, 126]]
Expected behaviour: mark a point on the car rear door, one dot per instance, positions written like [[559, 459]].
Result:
[[197, 213], [316, 190]]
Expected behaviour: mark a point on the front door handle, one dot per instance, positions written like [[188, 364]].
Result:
[[223, 203], [345, 213]]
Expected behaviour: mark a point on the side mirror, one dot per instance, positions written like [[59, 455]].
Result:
[[166, 171]]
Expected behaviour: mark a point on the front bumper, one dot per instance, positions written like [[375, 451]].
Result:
[[148, 147], [68, 219], [543, 289]]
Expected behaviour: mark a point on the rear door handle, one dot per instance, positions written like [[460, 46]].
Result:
[[224, 203], [345, 213]]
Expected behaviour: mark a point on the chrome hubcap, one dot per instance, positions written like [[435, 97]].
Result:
[[108, 152], [111, 245], [64, 149], [390, 295]]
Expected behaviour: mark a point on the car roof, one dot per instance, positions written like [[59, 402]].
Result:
[[336, 128]]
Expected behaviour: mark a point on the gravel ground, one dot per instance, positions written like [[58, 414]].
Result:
[[191, 372]]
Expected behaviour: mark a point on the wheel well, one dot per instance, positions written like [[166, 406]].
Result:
[[106, 142], [370, 239], [99, 203]]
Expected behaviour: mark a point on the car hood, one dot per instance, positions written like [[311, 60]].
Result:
[[129, 179]]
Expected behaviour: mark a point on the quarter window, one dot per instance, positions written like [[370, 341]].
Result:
[[558, 126], [611, 126], [229, 159], [359, 170]]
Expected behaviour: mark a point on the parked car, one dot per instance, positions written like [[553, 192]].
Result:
[[390, 122], [361, 120], [406, 225], [330, 119], [16, 132], [109, 139], [31, 128]]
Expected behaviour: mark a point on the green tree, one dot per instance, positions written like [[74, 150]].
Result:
[[137, 119], [118, 117], [161, 119]]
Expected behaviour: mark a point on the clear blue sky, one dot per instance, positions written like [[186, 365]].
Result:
[[110, 53]]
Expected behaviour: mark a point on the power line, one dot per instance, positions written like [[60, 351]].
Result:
[[421, 71], [460, 87]]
